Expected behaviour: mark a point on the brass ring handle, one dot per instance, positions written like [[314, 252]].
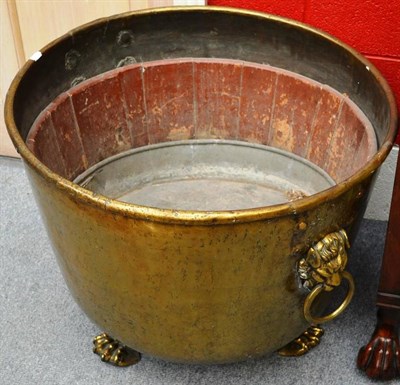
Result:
[[323, 269], [314, 294]]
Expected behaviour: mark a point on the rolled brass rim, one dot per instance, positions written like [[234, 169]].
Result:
[[314, 294]]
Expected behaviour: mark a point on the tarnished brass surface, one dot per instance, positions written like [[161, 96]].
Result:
[[190, 286], [304, 343], [113, 352], [323, 269], [187, 292]]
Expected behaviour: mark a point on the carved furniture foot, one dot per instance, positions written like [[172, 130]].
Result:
[[304, 343], [113, 352], [380, 358]]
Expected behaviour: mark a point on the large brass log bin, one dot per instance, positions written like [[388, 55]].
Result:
[[201, 172]]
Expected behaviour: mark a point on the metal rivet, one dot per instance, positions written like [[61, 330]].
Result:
[[125, 38], [71, 59], [302, 226]]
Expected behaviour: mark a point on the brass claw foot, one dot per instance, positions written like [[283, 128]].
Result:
[[113, 352], [380, 358], [303, 344]]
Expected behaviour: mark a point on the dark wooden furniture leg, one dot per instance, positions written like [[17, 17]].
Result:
[[380, 358]]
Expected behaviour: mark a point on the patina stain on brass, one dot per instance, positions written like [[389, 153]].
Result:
[[186, 285]]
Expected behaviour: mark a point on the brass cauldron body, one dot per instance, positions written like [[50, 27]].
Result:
[[194, 286]]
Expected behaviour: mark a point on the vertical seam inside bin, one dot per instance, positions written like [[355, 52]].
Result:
[[236, 135], [270, 134], [146, 121], [125, 108], [328, 154], [307, 149], [78, 131]]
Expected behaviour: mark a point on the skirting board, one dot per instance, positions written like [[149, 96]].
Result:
[[379, 204]]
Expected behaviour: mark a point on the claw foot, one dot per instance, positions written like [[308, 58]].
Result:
[[380, 358], [303, 344], [113, 352]]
